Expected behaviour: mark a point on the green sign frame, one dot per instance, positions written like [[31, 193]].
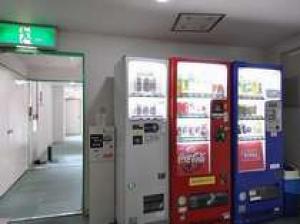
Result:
[[27, 35]]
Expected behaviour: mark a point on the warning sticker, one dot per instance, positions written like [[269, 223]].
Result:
[[199, 181]]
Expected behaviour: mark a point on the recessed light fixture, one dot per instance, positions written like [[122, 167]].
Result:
[[197, 22], [26, 47], [162, 1], [22, 48]]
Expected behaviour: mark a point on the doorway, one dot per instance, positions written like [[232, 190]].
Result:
[[50, 181]]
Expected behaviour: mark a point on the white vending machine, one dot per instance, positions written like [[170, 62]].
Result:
[[142, 141]]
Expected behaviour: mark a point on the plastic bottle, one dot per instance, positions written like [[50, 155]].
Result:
[[260, 92], [146, 84], [138, 110], [154, 85], [179, 87], [145, 110], [138, 86], [204, 131], [153, 110]]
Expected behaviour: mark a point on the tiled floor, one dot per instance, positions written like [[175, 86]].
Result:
[[77, 219], [50, 189], [82, 220], [295, 220], [68, 153]]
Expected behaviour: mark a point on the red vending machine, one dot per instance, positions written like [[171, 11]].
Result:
[[200, 155]]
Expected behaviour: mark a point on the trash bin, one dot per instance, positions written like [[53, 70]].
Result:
[[291, 191]]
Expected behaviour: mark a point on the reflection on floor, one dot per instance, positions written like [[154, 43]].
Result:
[[50, 189]]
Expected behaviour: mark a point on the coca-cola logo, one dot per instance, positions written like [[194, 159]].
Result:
[[191, 161]]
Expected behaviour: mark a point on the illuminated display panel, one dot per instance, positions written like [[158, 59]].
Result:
[[147, 89], [13, 34], [256, 86], [197, 85]]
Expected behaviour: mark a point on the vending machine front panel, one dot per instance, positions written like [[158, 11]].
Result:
[[199, 113], [142, 178], [257, 142]]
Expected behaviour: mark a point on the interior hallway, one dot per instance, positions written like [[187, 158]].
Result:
[[67, 153], [49, 189]]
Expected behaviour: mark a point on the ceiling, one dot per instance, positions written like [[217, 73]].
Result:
[[51, 67], [262, 23]]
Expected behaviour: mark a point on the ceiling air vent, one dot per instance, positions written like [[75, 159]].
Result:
[[196, 22]]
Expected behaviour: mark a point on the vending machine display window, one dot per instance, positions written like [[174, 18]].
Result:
[[256, 87], [147, 90], [197, 85]]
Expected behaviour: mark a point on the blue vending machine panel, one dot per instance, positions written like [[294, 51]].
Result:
[[257, 142]]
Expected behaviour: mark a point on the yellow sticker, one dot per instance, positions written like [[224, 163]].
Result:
[[198, 181]]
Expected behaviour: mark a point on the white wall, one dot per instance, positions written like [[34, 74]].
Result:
[[58, 114], [54, 74], [13, 116], [101, 54], [59, 108], [292, 107], [42, 105], [45, 123], [287, 53], [274, 54]]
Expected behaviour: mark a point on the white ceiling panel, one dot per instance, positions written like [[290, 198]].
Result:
[[261, 23]]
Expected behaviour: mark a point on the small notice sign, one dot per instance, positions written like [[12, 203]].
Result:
[[199, 181], [96, 141]]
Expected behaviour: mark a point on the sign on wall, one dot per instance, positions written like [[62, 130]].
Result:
[[14, 34]]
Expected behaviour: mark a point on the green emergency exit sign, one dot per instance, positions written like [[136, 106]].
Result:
[[13, 34]]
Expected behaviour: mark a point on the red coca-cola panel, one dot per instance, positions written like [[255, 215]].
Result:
[[193, 159], [200, 155], [251, 156]]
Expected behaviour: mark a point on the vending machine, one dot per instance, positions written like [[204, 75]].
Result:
[[200, 154], [142, 141], [257, 142]]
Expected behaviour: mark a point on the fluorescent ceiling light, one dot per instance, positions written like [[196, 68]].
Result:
[[26, 47], [162, 1], [21, 82], [22, 48]]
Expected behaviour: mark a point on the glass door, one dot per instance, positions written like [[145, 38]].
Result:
[[256, 86], [197, 85]]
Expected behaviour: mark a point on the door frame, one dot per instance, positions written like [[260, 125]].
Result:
[[85, 170]]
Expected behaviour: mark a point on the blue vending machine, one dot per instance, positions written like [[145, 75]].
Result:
[[257, 142]]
